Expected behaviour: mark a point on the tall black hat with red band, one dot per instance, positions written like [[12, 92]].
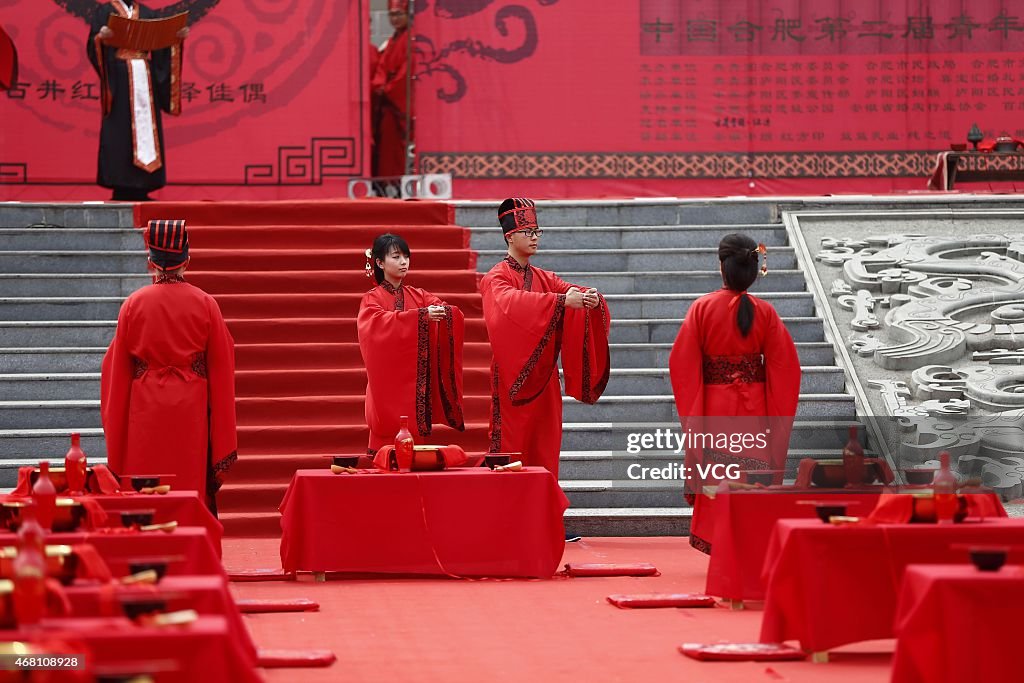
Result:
[[168, 243], [517, 213]]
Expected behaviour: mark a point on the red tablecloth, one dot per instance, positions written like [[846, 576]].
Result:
[[202, 651], [743, 522], [955, 624], [183, 507], [462, 522], [829, 585], [191, 545], [207, 595]]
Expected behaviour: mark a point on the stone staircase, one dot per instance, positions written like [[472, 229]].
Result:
[[64, 270], [651, 263]]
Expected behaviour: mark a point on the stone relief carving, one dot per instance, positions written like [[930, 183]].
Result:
[[945, 317]]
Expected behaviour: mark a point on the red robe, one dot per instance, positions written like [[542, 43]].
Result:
[[389, 106], [725, 383], [529, 326], [167, 390], [413, 365]]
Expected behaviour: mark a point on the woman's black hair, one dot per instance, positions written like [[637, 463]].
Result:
[[739, 256], [380, 250]]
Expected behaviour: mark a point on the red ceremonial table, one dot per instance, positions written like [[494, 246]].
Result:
[[829, 585], [743, 523], [956, 623], [190, 547], [203, 650], [459, 522], [207, 595]]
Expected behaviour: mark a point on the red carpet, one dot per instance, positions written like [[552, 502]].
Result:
[[288, 277], [561, 629]]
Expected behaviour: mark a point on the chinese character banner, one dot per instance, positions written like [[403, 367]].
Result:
[[710, 97], [274, 101]]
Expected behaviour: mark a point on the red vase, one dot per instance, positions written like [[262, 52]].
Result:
[[404, 446], [75, 466], [945, 485], [853, 460], [29, 570], [44, 495]]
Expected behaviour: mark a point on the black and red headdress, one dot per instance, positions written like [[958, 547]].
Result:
[[517, 213], [167, 241]]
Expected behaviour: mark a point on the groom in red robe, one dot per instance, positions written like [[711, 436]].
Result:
[[532, 318]]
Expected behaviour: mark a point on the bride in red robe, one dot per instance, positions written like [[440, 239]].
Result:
[[734, 371], [411, 343], [167, 386], [533, 317]]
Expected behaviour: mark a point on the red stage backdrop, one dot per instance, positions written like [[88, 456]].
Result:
[[554, 98], [274, 101]]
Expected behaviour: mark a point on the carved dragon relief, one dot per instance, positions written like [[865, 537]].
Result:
[[950, 312]]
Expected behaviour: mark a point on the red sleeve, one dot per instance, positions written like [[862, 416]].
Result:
[[525, 331], [686, 367], [586, 360], [116, 391], [220, 370], [445, 366], [782, 387]]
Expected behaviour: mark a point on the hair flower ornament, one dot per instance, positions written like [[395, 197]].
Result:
[[763, 251]]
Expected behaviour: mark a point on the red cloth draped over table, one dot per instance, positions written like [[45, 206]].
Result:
[[744, 521], [718, 375], [830, 585], [413, 365], [462, 522], [190, 546], [529, 325], [956, 623], [205, 650], [207, 595], [168, 387]]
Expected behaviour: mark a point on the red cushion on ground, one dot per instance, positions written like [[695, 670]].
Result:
[[631, 569], [296, 605], [662, 600], [741, 652], [294, 658]]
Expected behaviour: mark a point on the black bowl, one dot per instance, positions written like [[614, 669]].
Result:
[[346, 460], [988, 559], [825, 512], [140, 517], [497, 459], [919, 476], [135, 606], [159, 566], [141, 482]]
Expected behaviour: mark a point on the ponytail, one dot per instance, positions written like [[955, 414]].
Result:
[[738, 255]]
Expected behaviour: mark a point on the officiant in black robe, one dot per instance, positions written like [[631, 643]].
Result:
[[135, 87]]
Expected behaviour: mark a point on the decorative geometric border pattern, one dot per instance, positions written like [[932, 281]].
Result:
[[711, 165], [994, 161], [323, 158], [13, 174]]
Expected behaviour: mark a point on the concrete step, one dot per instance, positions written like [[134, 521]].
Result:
[[667, 212], [664, 331], [662, 408], [70, 239], [82, 284], [60, 308], [25, 214], [49, 386], [51, 443], [57, 333], [681, 282], [823, 435], [44, 414], [99, 261], [656, 381], [627, 521], [635, 236], [37, 360], [630, 306], [635, 260], [656, 355]]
